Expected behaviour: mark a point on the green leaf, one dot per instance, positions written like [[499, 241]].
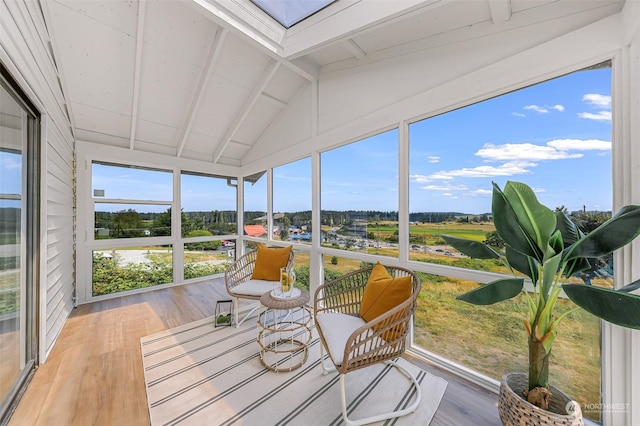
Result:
[[617, 232], [508, 228], [471, 248], [617, 307], [569, 230], [521, 221], [550, 268], [556, 244], [630, 287], [522, 263], [493, 292]]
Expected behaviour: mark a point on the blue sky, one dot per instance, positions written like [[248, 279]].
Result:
[[555, 136]]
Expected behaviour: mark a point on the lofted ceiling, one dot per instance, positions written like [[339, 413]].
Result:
[[204, 79]]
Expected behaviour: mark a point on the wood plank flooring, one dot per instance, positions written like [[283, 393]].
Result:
[[94, 375]]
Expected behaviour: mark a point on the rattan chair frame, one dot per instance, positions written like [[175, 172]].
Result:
[[367, 345], [241, 271]]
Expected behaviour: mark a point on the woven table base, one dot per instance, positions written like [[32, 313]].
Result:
[[514, 410]]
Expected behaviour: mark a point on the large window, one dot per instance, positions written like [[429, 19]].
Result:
[[554, 136], [359, 196], [208, 212], [292, 201], [136, 244], [131, 202]]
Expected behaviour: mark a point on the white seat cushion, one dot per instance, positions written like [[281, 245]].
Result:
[[255, 287], [336, 329]]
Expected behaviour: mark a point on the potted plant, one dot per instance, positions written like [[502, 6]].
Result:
[[548, 248]]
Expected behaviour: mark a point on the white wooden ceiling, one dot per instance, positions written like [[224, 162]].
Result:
[[204, 79]]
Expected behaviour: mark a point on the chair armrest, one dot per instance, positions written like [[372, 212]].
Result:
[[343, 294], [240, 270], [380, 339]]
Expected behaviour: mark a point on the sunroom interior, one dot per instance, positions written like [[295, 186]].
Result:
[[174, 129]]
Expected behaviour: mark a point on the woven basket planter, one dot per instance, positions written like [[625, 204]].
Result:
[[514, 410]]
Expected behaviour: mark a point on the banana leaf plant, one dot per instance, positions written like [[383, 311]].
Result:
[[548, 248]]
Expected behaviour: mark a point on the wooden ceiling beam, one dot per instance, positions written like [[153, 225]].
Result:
[[248, 104], [207, 70], [354, 49], [274, 101], [136, 74], [500, 10]]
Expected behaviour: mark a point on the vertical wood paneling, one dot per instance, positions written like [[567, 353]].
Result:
[[25, 40]]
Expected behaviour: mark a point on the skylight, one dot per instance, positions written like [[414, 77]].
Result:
[[290, 12]]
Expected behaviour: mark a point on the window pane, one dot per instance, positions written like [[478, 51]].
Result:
[[131, 221], [208, 205], [292, 201], [492, 340], [12, 268], [255, 205], [359, 196], [301, 268], [336, 266], [207, 258], [130, 183], [116, 270], [556, 137]]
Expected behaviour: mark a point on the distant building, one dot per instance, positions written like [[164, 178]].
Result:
[[255, 230]]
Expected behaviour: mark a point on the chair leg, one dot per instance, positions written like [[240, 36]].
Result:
[[235, 310], [380, 417], [325, 370], [255, 308]]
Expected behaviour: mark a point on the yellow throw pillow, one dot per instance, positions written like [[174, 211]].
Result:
[[269, 260], [383, 293]]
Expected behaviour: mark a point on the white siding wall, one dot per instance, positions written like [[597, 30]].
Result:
[[26, 52]]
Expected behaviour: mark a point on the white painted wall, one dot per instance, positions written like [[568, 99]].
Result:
[[25, 51]]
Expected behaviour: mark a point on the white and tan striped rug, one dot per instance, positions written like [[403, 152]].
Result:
[[197, 374]]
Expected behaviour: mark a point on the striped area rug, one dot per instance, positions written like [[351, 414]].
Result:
[[197, 374]]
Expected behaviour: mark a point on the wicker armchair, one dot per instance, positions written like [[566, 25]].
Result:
[[352, 343], [237, 278]]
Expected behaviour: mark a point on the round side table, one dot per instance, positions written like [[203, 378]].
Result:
[[284, 331]]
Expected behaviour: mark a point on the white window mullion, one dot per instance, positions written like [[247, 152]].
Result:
[[176, 230]]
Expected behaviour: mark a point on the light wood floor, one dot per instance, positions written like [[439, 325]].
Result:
[[94, 375]]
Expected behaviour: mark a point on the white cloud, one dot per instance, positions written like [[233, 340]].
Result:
[[433, 159], [445, 187], [600, 101], [580, 145], [420, 178], [536, 108], [517, 159], [480, 193], [522, 152], [11, 164], [542, 109], [518, 114], [599, 116], [506, 169]]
